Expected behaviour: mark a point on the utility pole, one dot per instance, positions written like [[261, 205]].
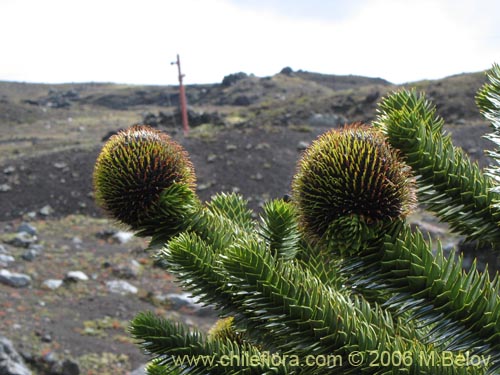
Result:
[[182, 98]]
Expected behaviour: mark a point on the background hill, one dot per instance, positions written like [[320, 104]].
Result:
[[247, 135], [51, 133]]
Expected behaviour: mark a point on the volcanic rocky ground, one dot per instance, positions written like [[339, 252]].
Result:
[[247, 134]]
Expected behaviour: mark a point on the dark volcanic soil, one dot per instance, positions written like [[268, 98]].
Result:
[[258, 164]]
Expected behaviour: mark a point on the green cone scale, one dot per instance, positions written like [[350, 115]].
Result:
[[133, 169], [351, 173]]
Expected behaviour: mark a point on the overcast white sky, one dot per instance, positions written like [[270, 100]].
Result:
[[128, 41]]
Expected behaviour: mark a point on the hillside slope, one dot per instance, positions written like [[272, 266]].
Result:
[[50, 134]]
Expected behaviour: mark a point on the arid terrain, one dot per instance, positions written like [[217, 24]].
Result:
[[246, 136]]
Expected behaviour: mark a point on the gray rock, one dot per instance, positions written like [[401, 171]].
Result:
[[9, 170], [11, 362], [5, 259], [76, 276], [105, 234], [258, 176], [184, 300], [3, 250], [205, 186], [51, 358], [16, 280], [197, 118], [302, 145], [287, 71], [22, 239], [36, 247], [127, 271], [30, 254], [76, 241], [66, 367], [46, 210], [60, 165], [327, 119], [5, 188], [121, 287], [244, 100], [52, 284], [46, 338], [70, 367], [122, 237], [141, 370], [28, 228], [263, 146], [231, 79]]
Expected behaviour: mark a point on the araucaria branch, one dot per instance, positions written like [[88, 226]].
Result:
[[333, 281]]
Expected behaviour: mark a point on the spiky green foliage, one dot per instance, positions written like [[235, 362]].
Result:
[[177, 350], [443, 289], [450, 184], [279, 228], [285, 306], [488, 101], [338, 272], [488, 98], [132, 172], [349, 184], [460, 310]]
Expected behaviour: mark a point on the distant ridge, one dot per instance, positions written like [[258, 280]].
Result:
[[340, 82]]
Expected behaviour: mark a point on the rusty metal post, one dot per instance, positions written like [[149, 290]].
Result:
[[182, 99]]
